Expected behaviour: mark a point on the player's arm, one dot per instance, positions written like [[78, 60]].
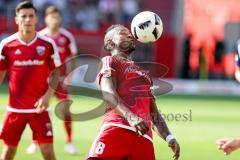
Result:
[[43, 103], [72, 52], [2, 75], [3, 66], [111, 96], [3, 63], [73, 49], [228, 145], [161, 128], [73, 62], [73, 65], [54, 63]]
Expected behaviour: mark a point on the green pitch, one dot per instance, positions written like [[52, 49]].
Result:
[[197, 123]]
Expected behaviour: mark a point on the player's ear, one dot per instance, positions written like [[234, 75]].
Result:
[[16, 19], [45, 19], [109, 45]]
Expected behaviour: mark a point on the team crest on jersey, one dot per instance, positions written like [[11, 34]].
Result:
[[62, 40], [41, 50]]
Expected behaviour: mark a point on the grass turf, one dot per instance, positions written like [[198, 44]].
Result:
[[211, 118]]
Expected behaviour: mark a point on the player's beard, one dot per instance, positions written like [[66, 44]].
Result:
[[127, 47]]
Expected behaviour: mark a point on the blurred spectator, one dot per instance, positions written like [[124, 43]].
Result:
[[185, 68], [108, 9], [5, 34], [219, 50], [203, 61], [129, 9], [6, 4], [76, 2], [42, 4], [87, 17], [216, 71]]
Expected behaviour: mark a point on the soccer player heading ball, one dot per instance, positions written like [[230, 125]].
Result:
[[126, 131]]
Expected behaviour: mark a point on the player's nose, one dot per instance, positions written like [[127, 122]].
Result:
[[130, 37]]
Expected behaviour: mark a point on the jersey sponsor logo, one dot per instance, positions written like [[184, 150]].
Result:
[[133, 72], [28, 63], [18, 52], [41, 50]]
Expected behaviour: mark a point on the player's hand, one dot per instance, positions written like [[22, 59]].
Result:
[[228, 145], [173, 144], [43, 103], [138, 123]]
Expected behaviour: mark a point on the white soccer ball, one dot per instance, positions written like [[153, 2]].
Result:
[[147, 27]]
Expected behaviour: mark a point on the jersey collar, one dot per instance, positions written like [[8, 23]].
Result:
[[29, 43], [47, 32]]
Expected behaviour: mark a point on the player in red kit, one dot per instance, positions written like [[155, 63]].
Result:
[[131, 110], [28, 58], [67, 49]]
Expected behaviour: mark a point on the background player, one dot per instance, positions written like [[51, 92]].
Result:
[[29, 58], [126, 132], [67, 49]]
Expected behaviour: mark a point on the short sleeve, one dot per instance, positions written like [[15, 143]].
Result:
[[72, 44], [54, 59], [3, 58], [71, 41], [108, 68]]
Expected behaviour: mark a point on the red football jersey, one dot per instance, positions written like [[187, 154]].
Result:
[[65, 42], [133, 85], [29, 66]]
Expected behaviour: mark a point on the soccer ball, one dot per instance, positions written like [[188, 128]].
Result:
[[146, 27]]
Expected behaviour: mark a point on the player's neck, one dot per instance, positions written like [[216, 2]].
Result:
[[27, 36], [53, 31], [122, 54]]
